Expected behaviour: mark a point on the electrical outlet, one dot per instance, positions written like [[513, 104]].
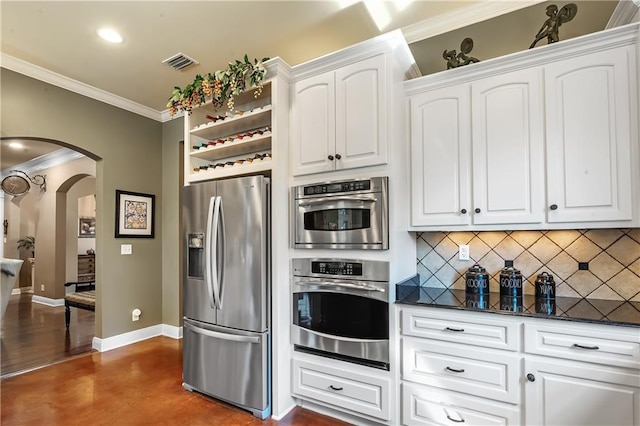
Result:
[[126, 249], [463, 252], [42, 287]]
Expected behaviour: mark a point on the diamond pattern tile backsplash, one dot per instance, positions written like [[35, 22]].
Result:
[[591, 263]]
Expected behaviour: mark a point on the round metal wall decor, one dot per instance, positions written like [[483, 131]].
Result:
[[15, 185]]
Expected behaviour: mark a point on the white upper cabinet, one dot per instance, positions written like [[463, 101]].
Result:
[[339, 118], [314, 124], [589, 154], [507, 133], [553, 139], [441, 157], [477, 152]]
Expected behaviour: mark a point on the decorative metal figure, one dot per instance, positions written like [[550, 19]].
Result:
[[556, 18], [457, 60]]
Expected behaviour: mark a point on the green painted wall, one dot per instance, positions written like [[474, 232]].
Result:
[[129, 151]]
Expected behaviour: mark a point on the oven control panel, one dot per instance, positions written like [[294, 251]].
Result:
[[337, 268], [335, 187]]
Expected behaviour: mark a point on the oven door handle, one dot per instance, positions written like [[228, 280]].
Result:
[[322, 200], [363, 287]]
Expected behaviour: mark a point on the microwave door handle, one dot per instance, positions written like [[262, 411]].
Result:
[[213, 247], [316, 201], [208, 255], [362, 287]]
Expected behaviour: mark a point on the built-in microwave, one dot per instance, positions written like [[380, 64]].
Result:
[[347, 214]]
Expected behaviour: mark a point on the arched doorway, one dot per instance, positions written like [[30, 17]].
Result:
[[54, 221]]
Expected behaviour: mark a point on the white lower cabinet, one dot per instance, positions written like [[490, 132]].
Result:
[[422, 405], [481, 368], [562, 392], [343, 386]]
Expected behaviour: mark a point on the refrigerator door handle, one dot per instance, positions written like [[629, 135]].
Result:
[[210, 253], [222, 242], [223, 336]]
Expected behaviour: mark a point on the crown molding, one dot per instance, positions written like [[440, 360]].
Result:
[[477, 12], [624, 13], [55, 79]]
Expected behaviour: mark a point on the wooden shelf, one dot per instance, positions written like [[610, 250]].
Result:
[[233, 149], [234, 125], [237, 170]]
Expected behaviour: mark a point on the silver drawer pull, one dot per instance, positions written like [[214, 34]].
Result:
[[454, 329], [334, 388], [455, 370], [455, 420], [591, 348]]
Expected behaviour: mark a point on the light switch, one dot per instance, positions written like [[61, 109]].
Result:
[[463, 252], [126, 249]]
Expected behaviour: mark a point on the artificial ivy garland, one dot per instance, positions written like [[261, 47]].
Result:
[[219, 87]]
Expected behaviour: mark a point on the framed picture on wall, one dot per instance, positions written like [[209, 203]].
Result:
[[87, 227], [135, 214]]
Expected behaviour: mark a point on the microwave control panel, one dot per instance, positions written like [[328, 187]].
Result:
[[337, 268], [336, 187]]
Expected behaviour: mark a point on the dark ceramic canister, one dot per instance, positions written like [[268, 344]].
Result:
[[477, 301], [477, 280], [511, 304], [545, 286], [510, 282]]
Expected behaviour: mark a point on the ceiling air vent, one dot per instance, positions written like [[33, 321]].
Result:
[[180, 61]]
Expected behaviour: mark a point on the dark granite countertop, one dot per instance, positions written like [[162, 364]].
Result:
[[612, 312]]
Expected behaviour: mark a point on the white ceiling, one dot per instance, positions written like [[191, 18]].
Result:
[[54, 38]]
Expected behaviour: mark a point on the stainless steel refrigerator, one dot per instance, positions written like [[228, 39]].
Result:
[[226, 340]]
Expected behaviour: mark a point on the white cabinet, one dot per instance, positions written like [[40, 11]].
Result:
[[348, 387], [504, 181], [582, 374], [589, 125], [339, 118], [478, 139], [460, 367], [562, 392]]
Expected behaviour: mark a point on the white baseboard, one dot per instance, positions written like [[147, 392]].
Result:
[[103, 345], [21, 290], [172, 331], [47, 301], [282, 415]]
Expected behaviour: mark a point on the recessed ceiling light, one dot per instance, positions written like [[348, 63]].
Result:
[[110, 35], [16, 145]]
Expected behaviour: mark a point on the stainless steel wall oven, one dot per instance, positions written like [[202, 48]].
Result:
[[348, 214], [341, 309]]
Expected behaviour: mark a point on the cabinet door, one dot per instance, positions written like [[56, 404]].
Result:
[[361, 119], [508, 147], [589, 156], [573, 393], [313, 124], [440, 157]]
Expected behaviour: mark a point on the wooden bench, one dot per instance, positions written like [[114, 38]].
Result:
[[83, 297]]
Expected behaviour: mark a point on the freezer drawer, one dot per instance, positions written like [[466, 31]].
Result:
[[227, 365]]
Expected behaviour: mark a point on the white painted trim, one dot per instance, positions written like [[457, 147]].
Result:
[[52, 159], [47, 301], [42, 74], [103, 345], [282, 415], [172, 331], [16, 291], [624, 13], [477, 12]]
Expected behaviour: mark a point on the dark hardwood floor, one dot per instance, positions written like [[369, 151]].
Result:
[[34, 335], [139, 384]]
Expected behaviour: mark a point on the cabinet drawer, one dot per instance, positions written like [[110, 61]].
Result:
[[422, 405], [465, 328], [482, 372], [609, 345], [348, 389]]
